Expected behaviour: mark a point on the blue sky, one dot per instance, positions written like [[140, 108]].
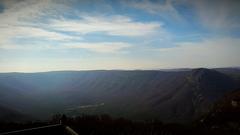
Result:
[[47, 35]]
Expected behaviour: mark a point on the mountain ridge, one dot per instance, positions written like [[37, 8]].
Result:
[[172, 96]]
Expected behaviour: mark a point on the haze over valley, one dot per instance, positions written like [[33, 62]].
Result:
[[120, 67], [170, 96]]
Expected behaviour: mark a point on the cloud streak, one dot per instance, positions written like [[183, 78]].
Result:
[[58, 34], [99, 47], [21, 20], [41, 24], [103, 47], [116, 25], [17, 31], [164, 9]]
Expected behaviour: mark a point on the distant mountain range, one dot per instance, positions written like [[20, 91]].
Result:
[[170, 96]]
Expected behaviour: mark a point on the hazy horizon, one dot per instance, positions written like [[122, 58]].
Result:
[[104, 67], [156, 69], [52, 35]]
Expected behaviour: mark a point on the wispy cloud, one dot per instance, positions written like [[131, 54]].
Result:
[[18, 31], [41, 21], [189, 32], [99, 47], [164, 9], [116, 25], [102, 47], [215, 15], [20, 20], [220, 15]]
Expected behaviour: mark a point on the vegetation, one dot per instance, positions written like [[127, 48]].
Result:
[[106, 125]]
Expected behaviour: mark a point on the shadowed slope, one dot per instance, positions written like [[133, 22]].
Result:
[[172, 96]]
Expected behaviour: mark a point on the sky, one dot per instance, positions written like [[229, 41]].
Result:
[[50, 35]]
